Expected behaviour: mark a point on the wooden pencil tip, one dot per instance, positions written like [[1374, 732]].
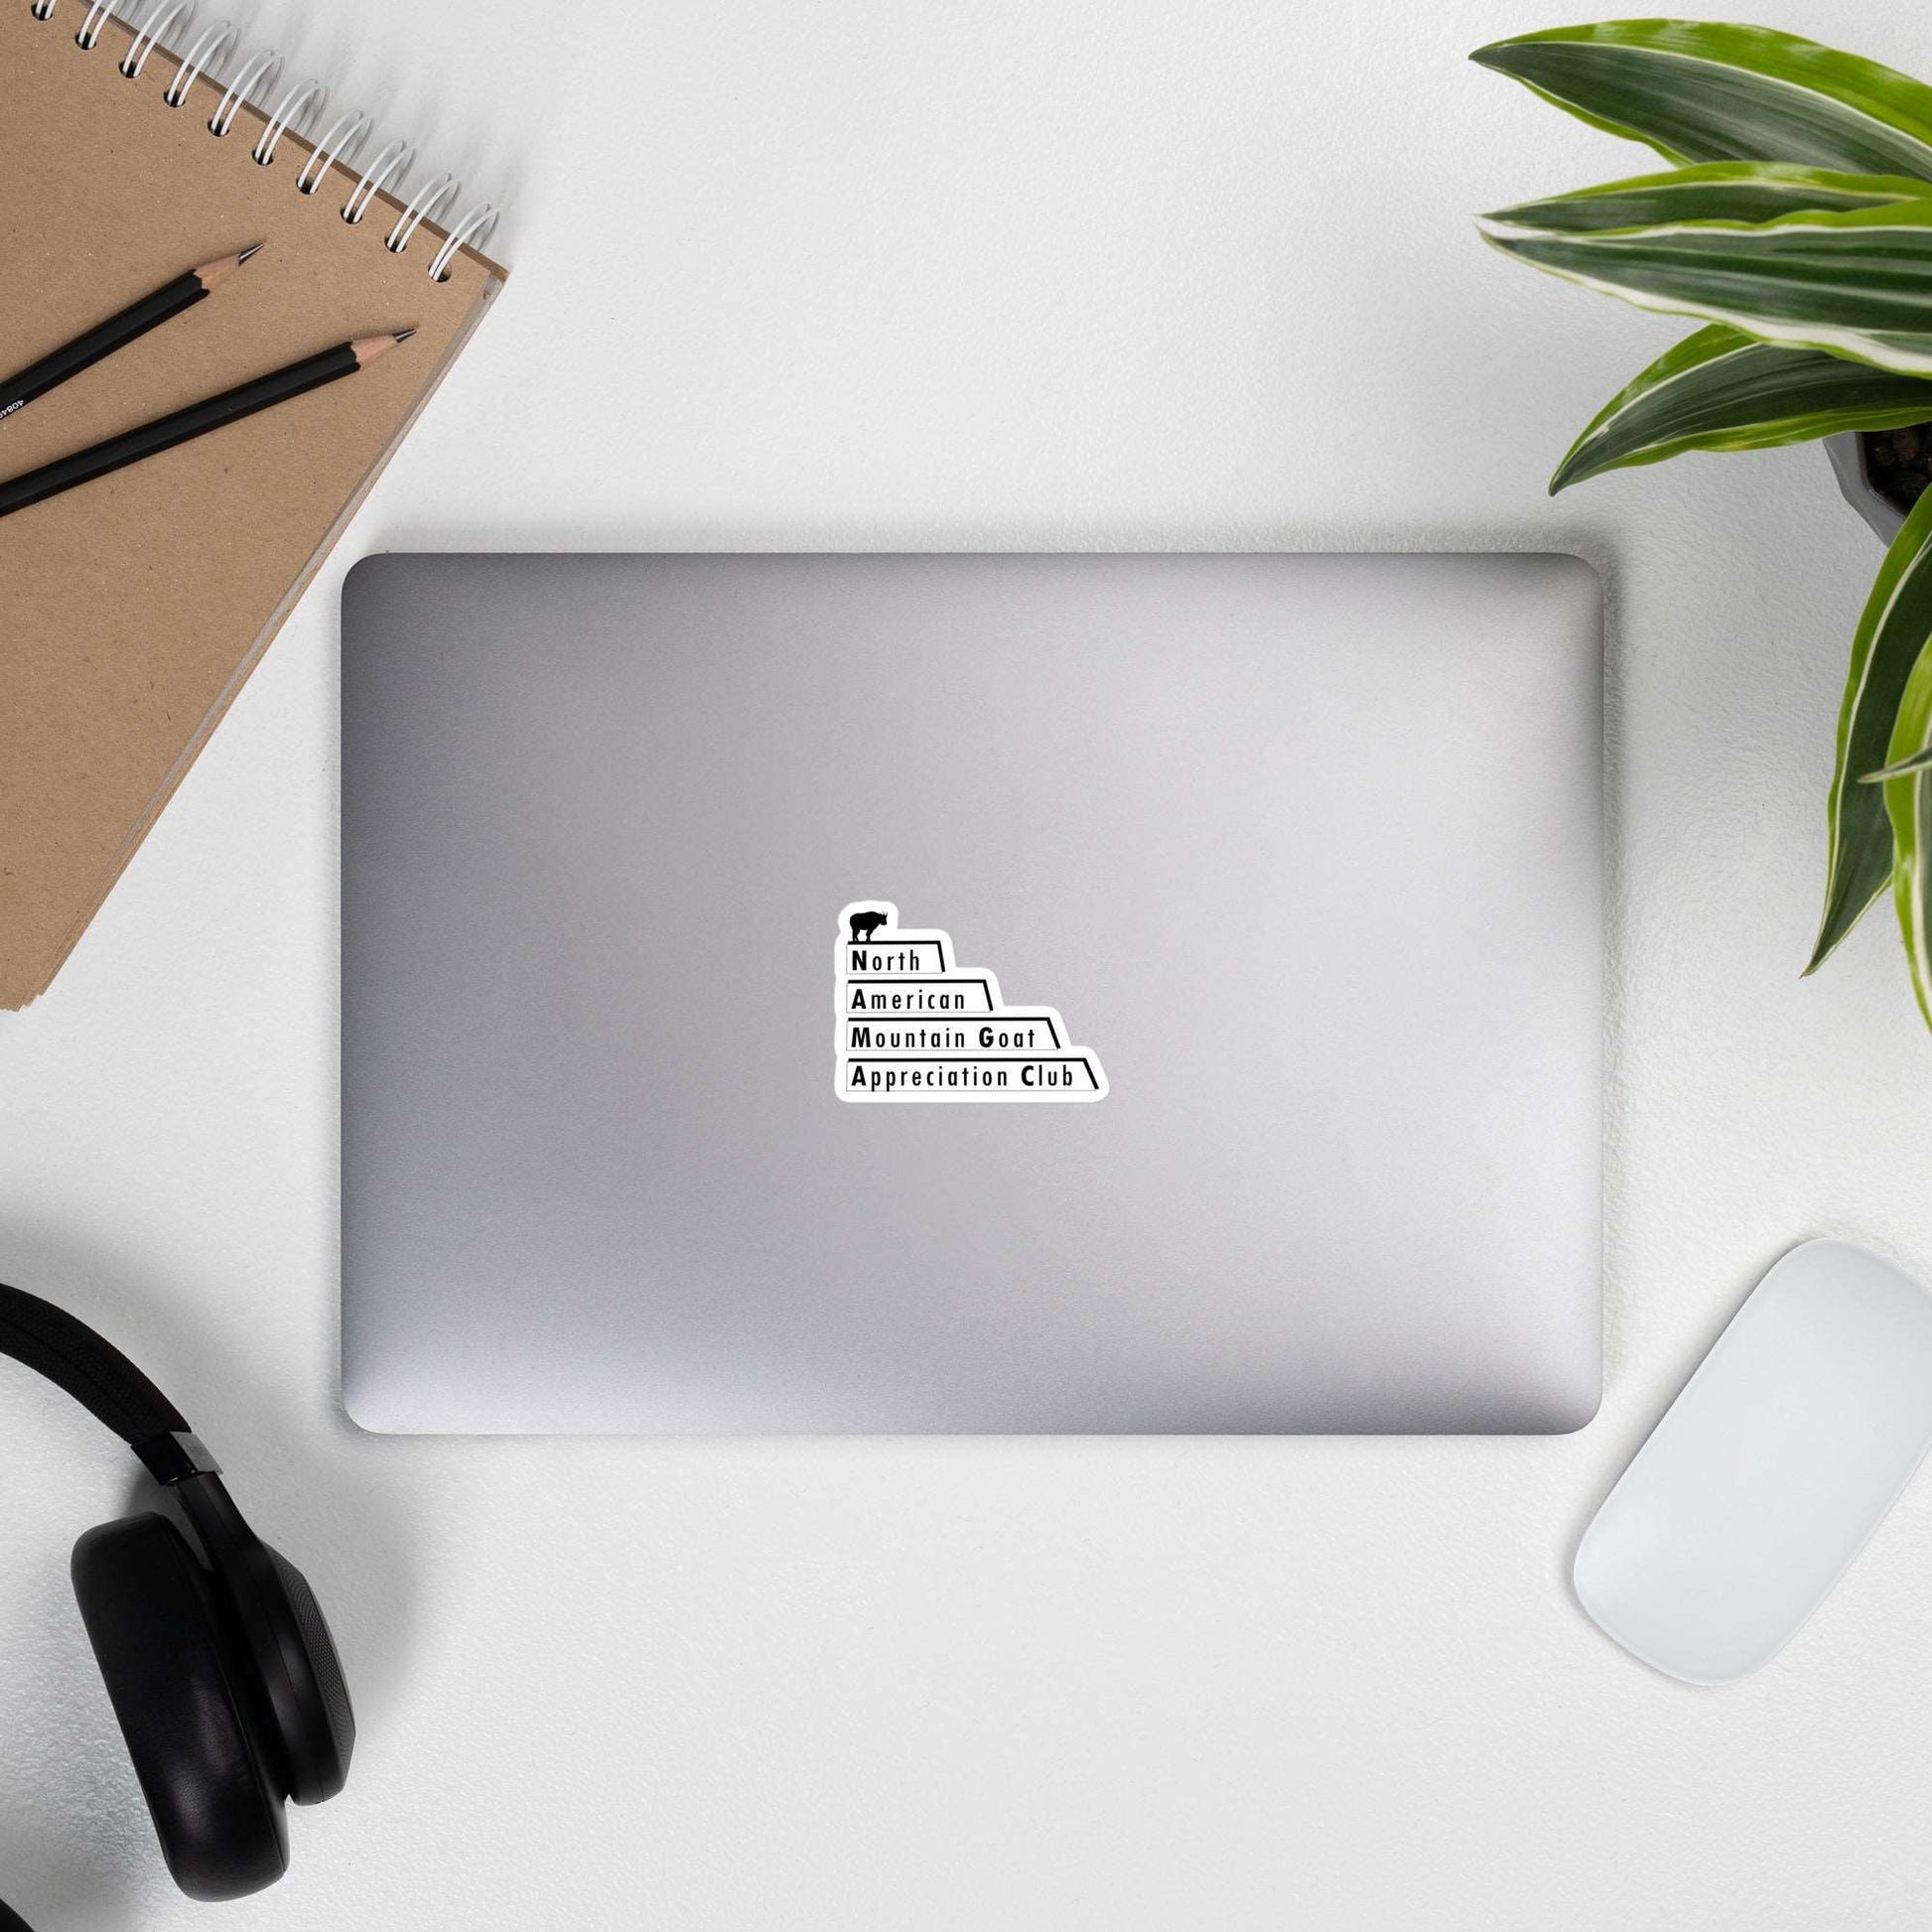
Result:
[[368, 348], [210, 273]]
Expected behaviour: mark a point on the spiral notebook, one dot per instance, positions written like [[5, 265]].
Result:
[[132, 608]]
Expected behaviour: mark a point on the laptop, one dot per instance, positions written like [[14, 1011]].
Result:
[[1016, 994]]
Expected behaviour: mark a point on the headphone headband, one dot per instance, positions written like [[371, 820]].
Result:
[[103, 1381]]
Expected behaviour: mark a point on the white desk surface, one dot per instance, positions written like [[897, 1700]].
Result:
[[1088, 273]]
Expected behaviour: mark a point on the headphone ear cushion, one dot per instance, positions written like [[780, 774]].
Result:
[[178, 1684]]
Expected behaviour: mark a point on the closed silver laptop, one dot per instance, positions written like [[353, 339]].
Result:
[[971, 992]]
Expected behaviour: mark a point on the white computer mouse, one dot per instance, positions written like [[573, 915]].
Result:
[[1769, 1471]]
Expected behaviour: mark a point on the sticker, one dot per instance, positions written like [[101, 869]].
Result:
[[916, 1024]]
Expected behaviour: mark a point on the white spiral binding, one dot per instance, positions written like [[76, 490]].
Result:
[[259, 70], [149, 38], [215, 40], [295, 106], [340, 142], [429, 201], [469, 230], [392, 163]]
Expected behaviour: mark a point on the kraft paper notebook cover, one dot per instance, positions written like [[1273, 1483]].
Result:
[[132, 608]]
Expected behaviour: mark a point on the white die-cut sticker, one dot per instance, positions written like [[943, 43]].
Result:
[[913, 1024]]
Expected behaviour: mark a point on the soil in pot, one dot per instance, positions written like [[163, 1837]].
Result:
[[1900, 463]]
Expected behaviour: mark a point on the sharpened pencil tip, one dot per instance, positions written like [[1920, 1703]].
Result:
[[211, 273], [368, 348]]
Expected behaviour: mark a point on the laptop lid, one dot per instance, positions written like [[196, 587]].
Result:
[[971, 992]]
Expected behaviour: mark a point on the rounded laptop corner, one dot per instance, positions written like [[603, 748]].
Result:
[[367, 1410], [365, 572], [1577, 1410]]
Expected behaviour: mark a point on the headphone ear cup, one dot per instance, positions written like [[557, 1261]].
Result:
[[318, 1764], [181, 1687]]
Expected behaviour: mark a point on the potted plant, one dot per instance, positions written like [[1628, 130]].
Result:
[[1795, 225]]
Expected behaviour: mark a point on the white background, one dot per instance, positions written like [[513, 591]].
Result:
[[1115, 273]]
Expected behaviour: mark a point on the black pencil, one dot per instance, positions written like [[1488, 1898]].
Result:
[[116, 331], [196, 420]]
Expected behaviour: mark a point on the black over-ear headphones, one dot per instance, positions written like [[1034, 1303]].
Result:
[[217, 1661]]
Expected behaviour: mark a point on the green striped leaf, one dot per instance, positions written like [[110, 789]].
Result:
[[1719, 391], [1891, 640], [1720, 190], [1919, 762], [1908, 799], [1856, 282], [1698, 90]]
